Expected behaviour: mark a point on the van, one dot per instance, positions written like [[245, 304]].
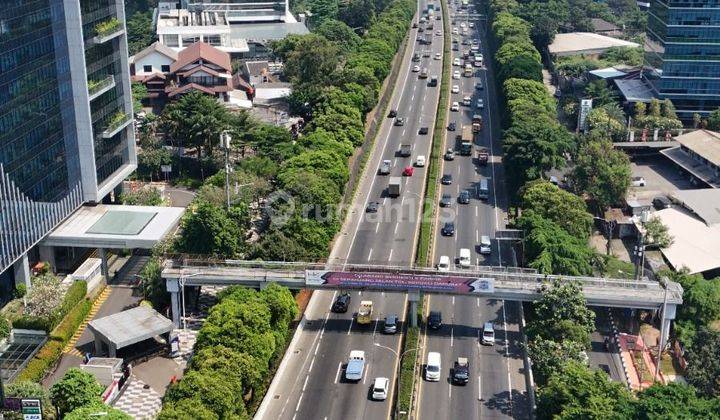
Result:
[[488, 336], [482, 189], [444, 264], [464, 259], [432, 368], [485, 245]]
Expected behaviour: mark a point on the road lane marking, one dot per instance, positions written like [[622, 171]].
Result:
[[477, 235], [377, 226], [412, 98], [367, 368], [452, 335], [479, 388], [375, 327], [306, 381], [396, 226], [449, 391], [370, 254], [312, 362], [337, 374], [478, 304], [350, 327], [453, 300], [297, 407], [390, 256], [403, 133], [476, 211], [507, 355]]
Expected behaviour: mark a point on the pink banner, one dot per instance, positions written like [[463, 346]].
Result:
[[391, 281]]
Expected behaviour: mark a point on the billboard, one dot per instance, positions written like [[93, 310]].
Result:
[[401, 282]]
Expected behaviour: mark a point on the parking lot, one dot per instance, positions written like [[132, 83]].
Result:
[[661, 176]]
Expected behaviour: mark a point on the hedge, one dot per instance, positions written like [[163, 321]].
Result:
[[75, 293]]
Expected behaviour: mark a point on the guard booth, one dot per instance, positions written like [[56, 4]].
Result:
[[126, 328]]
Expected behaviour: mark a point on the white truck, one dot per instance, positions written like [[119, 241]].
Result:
[[355, 366]]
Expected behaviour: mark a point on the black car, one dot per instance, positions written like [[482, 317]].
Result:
[[446, 179], [392, 113], [661, 202], [421, 29], [415, 25], [372, 207], [452, 126], [448, 229], [399, 121], [455, 47], [423, 130], [434, 320], [465, 42], [479, 85], [342, 303], [445, 200], [449, 154], [464, 197], [461, 371]]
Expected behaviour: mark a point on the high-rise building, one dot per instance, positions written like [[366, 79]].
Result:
[[682, 51], [66, 133]]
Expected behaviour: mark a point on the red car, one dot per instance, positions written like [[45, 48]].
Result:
[[408, 171]]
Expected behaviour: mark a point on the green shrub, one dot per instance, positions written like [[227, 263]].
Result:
[[4, 327], [76, 293], [20, 290], [42, 362], [33, 323], [72, 321]]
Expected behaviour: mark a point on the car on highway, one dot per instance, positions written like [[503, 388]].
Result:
[[455, 107], [479, 85], [456, 61], [438, 33], [467, 101], [455, 31], [464, 197], [464, 258], [420, 161], [452, 126], [444, 263], [485, 245], [423, 130], [456, 75], [390, 325], [372, 207], [480, 104], [455, 46], [446, 179], [416, 57], [421, 29], [463, 25], [449, 154], [455, 89], [471, 24], [433, 81], [448, 229], [423, 74], [355, 366], [426, 53], [416, 69], [637, 181], [399, 121], [437, 17], [438, 56], [342, 303], [380, 389], [432, 367], [408, 171], [488, 336], [414, 25], [461, 371], [385, 167], [464, 42], [446, 200], [392, 113], [434, 320]]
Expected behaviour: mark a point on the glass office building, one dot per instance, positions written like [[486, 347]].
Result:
[[65, 117], [682, 51]]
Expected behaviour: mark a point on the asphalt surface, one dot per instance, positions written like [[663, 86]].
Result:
[[310, 384], [604, 356], [497, 384]]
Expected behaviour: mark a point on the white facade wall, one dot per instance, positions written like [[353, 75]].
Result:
[[156, 60]]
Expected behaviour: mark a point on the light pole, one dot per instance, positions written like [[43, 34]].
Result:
[[225, 144], [399, 367]]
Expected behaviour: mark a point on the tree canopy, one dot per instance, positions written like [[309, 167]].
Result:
[[76, 389], [602, 172], [564, 208]]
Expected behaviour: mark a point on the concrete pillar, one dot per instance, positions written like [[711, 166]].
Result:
[[47, 254], [104, 263], [98, 346], [112, 350], [414, 298], [21, 268], [669, 315], [173, 287]]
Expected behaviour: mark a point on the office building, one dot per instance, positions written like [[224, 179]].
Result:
[[682, 52], [66, 133]]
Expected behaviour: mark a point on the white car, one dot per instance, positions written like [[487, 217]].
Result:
[[464, 258], [638, 181], [438, 56], [485, 245], [380, 389], [456, 61], [438, 33], [456, 89], [444, 263], [456, 75], [471, 24], [420, 161], [480, 104], [416, 69], [455, 107], [462, 24], [455, 31]]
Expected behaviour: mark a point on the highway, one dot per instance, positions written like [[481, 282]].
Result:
[[497, 384], [309, 384]]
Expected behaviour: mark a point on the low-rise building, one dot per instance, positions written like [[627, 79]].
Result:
[[179, 28], [699, 155], [603, 27], [201, 67], [585, 43]]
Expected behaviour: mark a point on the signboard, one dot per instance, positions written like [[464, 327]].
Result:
[[31, 409], [585, 108], [393, 281], [166, 168]]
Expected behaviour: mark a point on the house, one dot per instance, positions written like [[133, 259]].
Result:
[[201, 67], [156, 58], [606, 28], [256, 72]]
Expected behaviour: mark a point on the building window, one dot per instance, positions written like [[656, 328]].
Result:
[[147, 68], [213, 40], [165, 68], [171, 40], [187, 40]]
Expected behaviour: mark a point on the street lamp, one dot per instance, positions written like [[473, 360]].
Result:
[[225, 144], [399, 366]]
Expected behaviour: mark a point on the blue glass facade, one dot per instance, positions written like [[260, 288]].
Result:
[[683, 52]]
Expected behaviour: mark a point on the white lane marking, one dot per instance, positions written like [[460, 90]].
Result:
[[297, 407], [453, 300], [478, 304], [312, 362], [390, 256], [370, 254], [412, 98], [367, 368], [377, 226], [507, 354], [337, 374], [403, 133], [350, 327], [449, 391], [477, 235], [396, 226], [306, 381], [452, 336], [402, 201], [375, 327], [479, 388], [476, 211]]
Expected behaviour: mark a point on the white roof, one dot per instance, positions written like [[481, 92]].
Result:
[[695, 246], [585, 43]]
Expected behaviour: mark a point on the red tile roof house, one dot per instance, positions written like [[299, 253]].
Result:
[[200, 67]]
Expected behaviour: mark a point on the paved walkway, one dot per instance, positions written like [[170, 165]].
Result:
[[139, 400]]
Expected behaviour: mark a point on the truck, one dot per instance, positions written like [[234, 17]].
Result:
[[394, 186], [466, 141], [355, 366], [476, 123], [405, 150], [364, 315], [461, 371], [483, 156]]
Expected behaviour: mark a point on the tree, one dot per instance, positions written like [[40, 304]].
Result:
[[76, 389], [322, 10], [45, 296], [143, 196], [564, 208], [313, 59], [339, 33], [703, 369], [28, 389], [209, 230], [92, 410], [281, 303], [674, 401], [186, 409], [623, 55], [575, 391], [548, 357], [323, 163], [216, 392], [529, 90], [139, 93], [241, 367], [601, 172], [276, 245], [669, 110], [139, 31], [713, 120], [607, 121], [640, 109], [561, 300], [656, 233], [357, 13], [522, 67], [151, 160], [153, 286], [600, 93]]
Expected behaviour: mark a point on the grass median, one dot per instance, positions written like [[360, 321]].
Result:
[[426, 224]]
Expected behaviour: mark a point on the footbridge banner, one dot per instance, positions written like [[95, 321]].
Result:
[[399, 281]]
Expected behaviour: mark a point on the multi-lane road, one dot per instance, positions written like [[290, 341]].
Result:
[[309, 384], [497, 385]]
